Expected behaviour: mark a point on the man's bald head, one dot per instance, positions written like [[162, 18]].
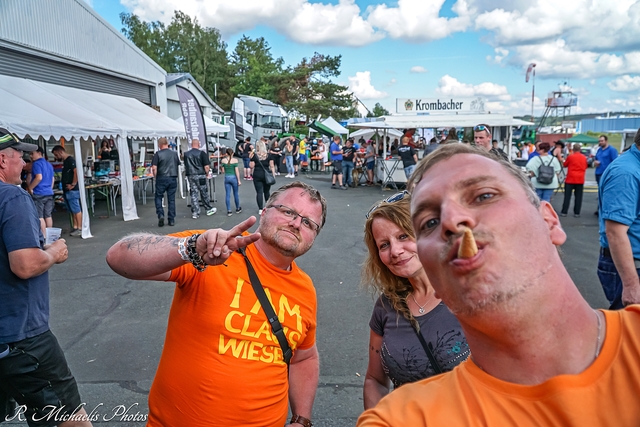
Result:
[[195, 143]]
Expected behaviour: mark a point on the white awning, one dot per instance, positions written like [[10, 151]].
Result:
[[450, 120], [42, 109], [39, 109], [212, 127]]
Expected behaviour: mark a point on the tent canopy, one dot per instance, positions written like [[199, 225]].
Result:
[[42, 109], [212, 127], [581, 139], [335, 126], [322, 129], [369, 133], [449, 120]]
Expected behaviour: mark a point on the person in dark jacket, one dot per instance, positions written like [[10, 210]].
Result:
[[196, 166]]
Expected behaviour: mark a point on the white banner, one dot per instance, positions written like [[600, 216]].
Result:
[[440, 105]]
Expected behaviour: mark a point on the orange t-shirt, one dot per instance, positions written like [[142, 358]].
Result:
[[221, 365], [605, 394]]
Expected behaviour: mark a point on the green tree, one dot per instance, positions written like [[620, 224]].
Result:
[[378, 110], [254, 69], [184, 46], [307, 91]]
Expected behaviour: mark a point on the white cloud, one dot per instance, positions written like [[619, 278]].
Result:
[[501, 54], [299, 20], [393, 81], [419, 20], [566, 39], [622, 103], [450, 86], [418, 69], [625, 83], [361, 86]]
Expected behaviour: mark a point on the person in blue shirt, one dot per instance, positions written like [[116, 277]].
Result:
[[604, 156], [619, 263], [33, 368], [336, 160], [41, 187]]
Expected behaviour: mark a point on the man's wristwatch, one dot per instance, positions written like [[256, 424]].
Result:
[[306, 422]]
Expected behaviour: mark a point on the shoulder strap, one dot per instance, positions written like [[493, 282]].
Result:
[[428, 348], [276, 327]]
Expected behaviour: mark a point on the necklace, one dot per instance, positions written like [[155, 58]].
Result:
[[421, 309], [599, 336]]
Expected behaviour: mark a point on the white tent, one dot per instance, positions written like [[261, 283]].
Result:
[[335, 126], [41, 109], [369, 133], [449, 120], [212, 127]]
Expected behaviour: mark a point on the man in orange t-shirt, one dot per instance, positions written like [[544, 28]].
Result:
[[576, 165], [540, 355], [222, 364]]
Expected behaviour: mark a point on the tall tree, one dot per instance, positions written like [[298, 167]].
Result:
[[307, 89], [255, 71], [184, 46], [378, 110]]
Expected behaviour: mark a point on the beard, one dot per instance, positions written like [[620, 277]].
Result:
[[290, 245]]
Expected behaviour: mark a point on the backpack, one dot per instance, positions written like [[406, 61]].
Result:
[[545, 172]]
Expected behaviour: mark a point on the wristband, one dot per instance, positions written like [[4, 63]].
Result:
[[182, 249], [306, 422]]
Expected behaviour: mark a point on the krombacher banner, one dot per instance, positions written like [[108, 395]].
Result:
[[440, 105]]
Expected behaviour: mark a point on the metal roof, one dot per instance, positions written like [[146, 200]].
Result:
[[175, 78], [71, 31]]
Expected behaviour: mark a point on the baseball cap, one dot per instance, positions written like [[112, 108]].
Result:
[[10, 140]]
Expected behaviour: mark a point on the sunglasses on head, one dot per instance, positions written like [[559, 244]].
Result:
[[391, 199], [480, 128]]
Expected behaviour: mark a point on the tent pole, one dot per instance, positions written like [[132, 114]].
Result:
[[129, 208], [86, 229]]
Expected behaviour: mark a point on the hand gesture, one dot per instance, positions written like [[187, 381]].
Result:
[[216, 246]]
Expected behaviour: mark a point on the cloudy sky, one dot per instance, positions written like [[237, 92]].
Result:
[[440, 48]]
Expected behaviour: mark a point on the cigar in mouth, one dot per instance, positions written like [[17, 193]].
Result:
[[468, 247]]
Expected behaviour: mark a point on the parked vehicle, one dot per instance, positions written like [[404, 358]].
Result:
[[590, 157], [254, 117]]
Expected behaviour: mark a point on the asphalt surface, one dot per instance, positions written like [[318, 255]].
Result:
[[112, 329]]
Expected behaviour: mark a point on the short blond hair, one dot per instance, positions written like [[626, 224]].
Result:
[[448, 151]]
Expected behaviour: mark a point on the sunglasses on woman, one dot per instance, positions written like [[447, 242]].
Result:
[[391, 199]]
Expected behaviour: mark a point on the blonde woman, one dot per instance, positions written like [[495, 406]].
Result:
[[261, 164], [231, 181], [413, 334]]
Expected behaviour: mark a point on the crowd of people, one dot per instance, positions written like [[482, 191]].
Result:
[[462, 331]]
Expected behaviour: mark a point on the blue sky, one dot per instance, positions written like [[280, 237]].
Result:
[[440, 48]]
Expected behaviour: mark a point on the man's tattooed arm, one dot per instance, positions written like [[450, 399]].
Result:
[[145, 256]]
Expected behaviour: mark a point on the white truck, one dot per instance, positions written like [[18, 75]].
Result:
[[254, 117]]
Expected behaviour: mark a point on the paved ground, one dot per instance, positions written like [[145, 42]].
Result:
[[112, 329]]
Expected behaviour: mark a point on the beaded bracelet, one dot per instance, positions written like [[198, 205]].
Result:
[[193, 256]]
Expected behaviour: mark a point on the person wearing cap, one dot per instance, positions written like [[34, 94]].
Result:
[[33, 369], [70, 188], [41, 187]]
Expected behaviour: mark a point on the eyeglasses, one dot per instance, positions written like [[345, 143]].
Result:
[[480, 128], [292, 215], [391, 199]]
